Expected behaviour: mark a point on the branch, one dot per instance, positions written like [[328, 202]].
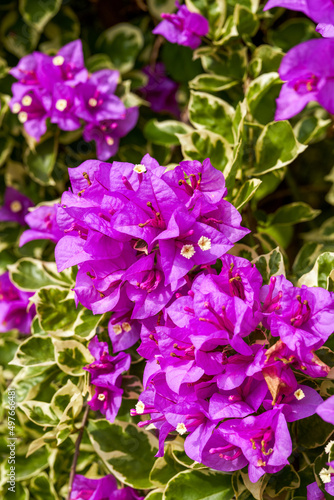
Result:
[[77, 451]]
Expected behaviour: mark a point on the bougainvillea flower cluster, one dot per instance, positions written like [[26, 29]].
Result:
[[15, 206], [104, 488], [307, 71], [320, 11], [184, 28], [160, 91], [106, 376], [222, 348], [60, 89], [15, 313]]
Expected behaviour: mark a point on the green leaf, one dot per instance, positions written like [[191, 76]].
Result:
[[179, 62], [312, 127], [313, 432], [31, 275], [213, 10], [261, 95], [38, 14], [199, 145], [322, 273], [246, 193], [232, 63], [199, 485], [166, 132], [71, 356], [211, 113], [292, 32], [293, 213], [35, 351], [56, 312], [41, 161], [276, 147], [86, 324], [165, 468], [285, 479], [246, 21], [306, 258], [270, 264], [157, 7], [122, 43], [39, 412], [212, 83], [126, 450], [18, 37], [41, 487], [98, 62], [155, 495], [266, 59], [37, 462]]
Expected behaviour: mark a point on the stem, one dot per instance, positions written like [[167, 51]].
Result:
[[77, 451]]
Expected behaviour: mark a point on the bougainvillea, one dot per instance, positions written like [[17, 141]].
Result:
[[167, 300]]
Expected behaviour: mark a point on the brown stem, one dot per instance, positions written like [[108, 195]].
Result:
[[155, 51], [77, 451]]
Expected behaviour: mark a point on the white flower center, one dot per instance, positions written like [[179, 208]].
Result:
[[299, 394], [16, 107], [325, 475], [58, 61], [22, 116], [117, 329], [101, 397], [16, 206], [92, 102], [139, 168], [328, 447], [126, 327], [27, 100], [188, 251], [61, 104], [181, 429], [204, 243], [110, 141], [140, 407]]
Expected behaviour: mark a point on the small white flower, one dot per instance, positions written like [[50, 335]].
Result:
[[328, 447], [139, 168], [117, 329], [92, 102], [109, 140], [299, 394], [181, 429], [26, 100], [22, 116], [16, 107], [140, 407], [188, 251], [61, 104], [325, 475], [101, 397], [15, 206], [126, 327], [58, 61], [204, 243]]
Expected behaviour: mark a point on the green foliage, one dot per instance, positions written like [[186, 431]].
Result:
[[279, 175]]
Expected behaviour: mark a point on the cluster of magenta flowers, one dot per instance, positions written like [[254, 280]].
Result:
[[60, 89], [101, 489], [222, 349], [183, 28], [307, 70], [15, 311]]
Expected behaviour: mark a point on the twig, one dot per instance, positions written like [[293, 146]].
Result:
[[155, 51], [77, 451]]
